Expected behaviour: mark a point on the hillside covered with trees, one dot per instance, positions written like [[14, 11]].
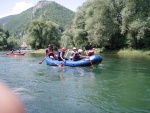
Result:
[[18, 25], [46, 10]]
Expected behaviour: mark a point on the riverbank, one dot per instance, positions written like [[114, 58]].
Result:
[[39, 51], [119, 52], [126, 52]]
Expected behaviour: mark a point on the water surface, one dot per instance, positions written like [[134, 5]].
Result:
[[120, 84]]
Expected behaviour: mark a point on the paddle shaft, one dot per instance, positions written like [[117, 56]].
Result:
[[91, 63], [90, 60]]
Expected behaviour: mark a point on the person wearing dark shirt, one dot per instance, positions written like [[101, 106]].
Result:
[[50, 51]]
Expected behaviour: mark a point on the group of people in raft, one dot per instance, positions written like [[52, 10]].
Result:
[[75, 53]]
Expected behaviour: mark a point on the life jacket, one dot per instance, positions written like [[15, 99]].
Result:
[[49, 51], [75, 55], [58, 54], [90, 53]]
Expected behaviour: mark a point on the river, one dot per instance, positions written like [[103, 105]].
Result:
[[120, 84]]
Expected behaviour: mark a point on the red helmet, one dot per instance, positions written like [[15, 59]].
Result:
[[63, 49]]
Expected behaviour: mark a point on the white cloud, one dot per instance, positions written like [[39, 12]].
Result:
[[21, 6]]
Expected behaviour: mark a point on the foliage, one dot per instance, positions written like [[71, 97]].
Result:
[[54, 12], [43, 33], [12, 43], [111, 24], [136, 23], [18, 24], [6, 42]]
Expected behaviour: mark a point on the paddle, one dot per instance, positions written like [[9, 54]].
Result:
[[91, 63], [42, 60], [90, 60], [66, 54], [61, 65]]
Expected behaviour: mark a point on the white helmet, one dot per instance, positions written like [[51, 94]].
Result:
[[80, 50], [74, 48]]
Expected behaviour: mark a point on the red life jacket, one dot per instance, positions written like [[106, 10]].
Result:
[[90, 53], [49, 51]]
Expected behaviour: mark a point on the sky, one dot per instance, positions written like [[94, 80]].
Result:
[[10, 7]]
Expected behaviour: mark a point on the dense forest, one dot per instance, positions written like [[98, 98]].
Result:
[[110, 24]]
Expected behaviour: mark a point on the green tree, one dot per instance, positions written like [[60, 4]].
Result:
[[42, 33], [96, 23], [136, 23], [12, 43], [112, 24]]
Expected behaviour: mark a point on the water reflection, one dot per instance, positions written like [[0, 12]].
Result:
[[68, 72]]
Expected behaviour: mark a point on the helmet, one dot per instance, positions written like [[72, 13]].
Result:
[[50, 45], [63, 49], [74, 48], [80, 50]]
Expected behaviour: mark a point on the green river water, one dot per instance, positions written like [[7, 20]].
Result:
[[120, 84]]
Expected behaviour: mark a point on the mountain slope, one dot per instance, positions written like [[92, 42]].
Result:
[[47, 10]]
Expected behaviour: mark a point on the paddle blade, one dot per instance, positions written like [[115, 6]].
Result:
[[40, 62], [61, 65]]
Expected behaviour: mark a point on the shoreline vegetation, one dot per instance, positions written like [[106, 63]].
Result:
[[115, 52], [127, 52]]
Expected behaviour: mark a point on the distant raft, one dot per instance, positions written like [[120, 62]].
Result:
[[16, 54], [92, 60]]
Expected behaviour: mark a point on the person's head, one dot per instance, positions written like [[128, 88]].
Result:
[[50, 46], [93, 49], [74, 49], [80, 50], [63, 49]]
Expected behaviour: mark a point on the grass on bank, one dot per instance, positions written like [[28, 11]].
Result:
[[39, 51], [119, 52], [127, 52]]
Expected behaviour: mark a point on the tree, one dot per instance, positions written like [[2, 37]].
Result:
[[136, 23], [12, 43], [41, 33], [112, 24]]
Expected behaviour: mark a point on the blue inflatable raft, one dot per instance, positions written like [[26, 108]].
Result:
[[92, 60]]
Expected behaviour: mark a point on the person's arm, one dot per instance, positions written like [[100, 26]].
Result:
[[46, 54], [61, 56], [9, 101], [82, 56], [74, 53]]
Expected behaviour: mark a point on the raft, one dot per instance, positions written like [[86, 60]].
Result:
[[92, 60], [16, 54]]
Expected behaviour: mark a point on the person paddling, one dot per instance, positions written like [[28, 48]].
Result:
[[49, 51], [60, 55], [76, 54], [91, 52]]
